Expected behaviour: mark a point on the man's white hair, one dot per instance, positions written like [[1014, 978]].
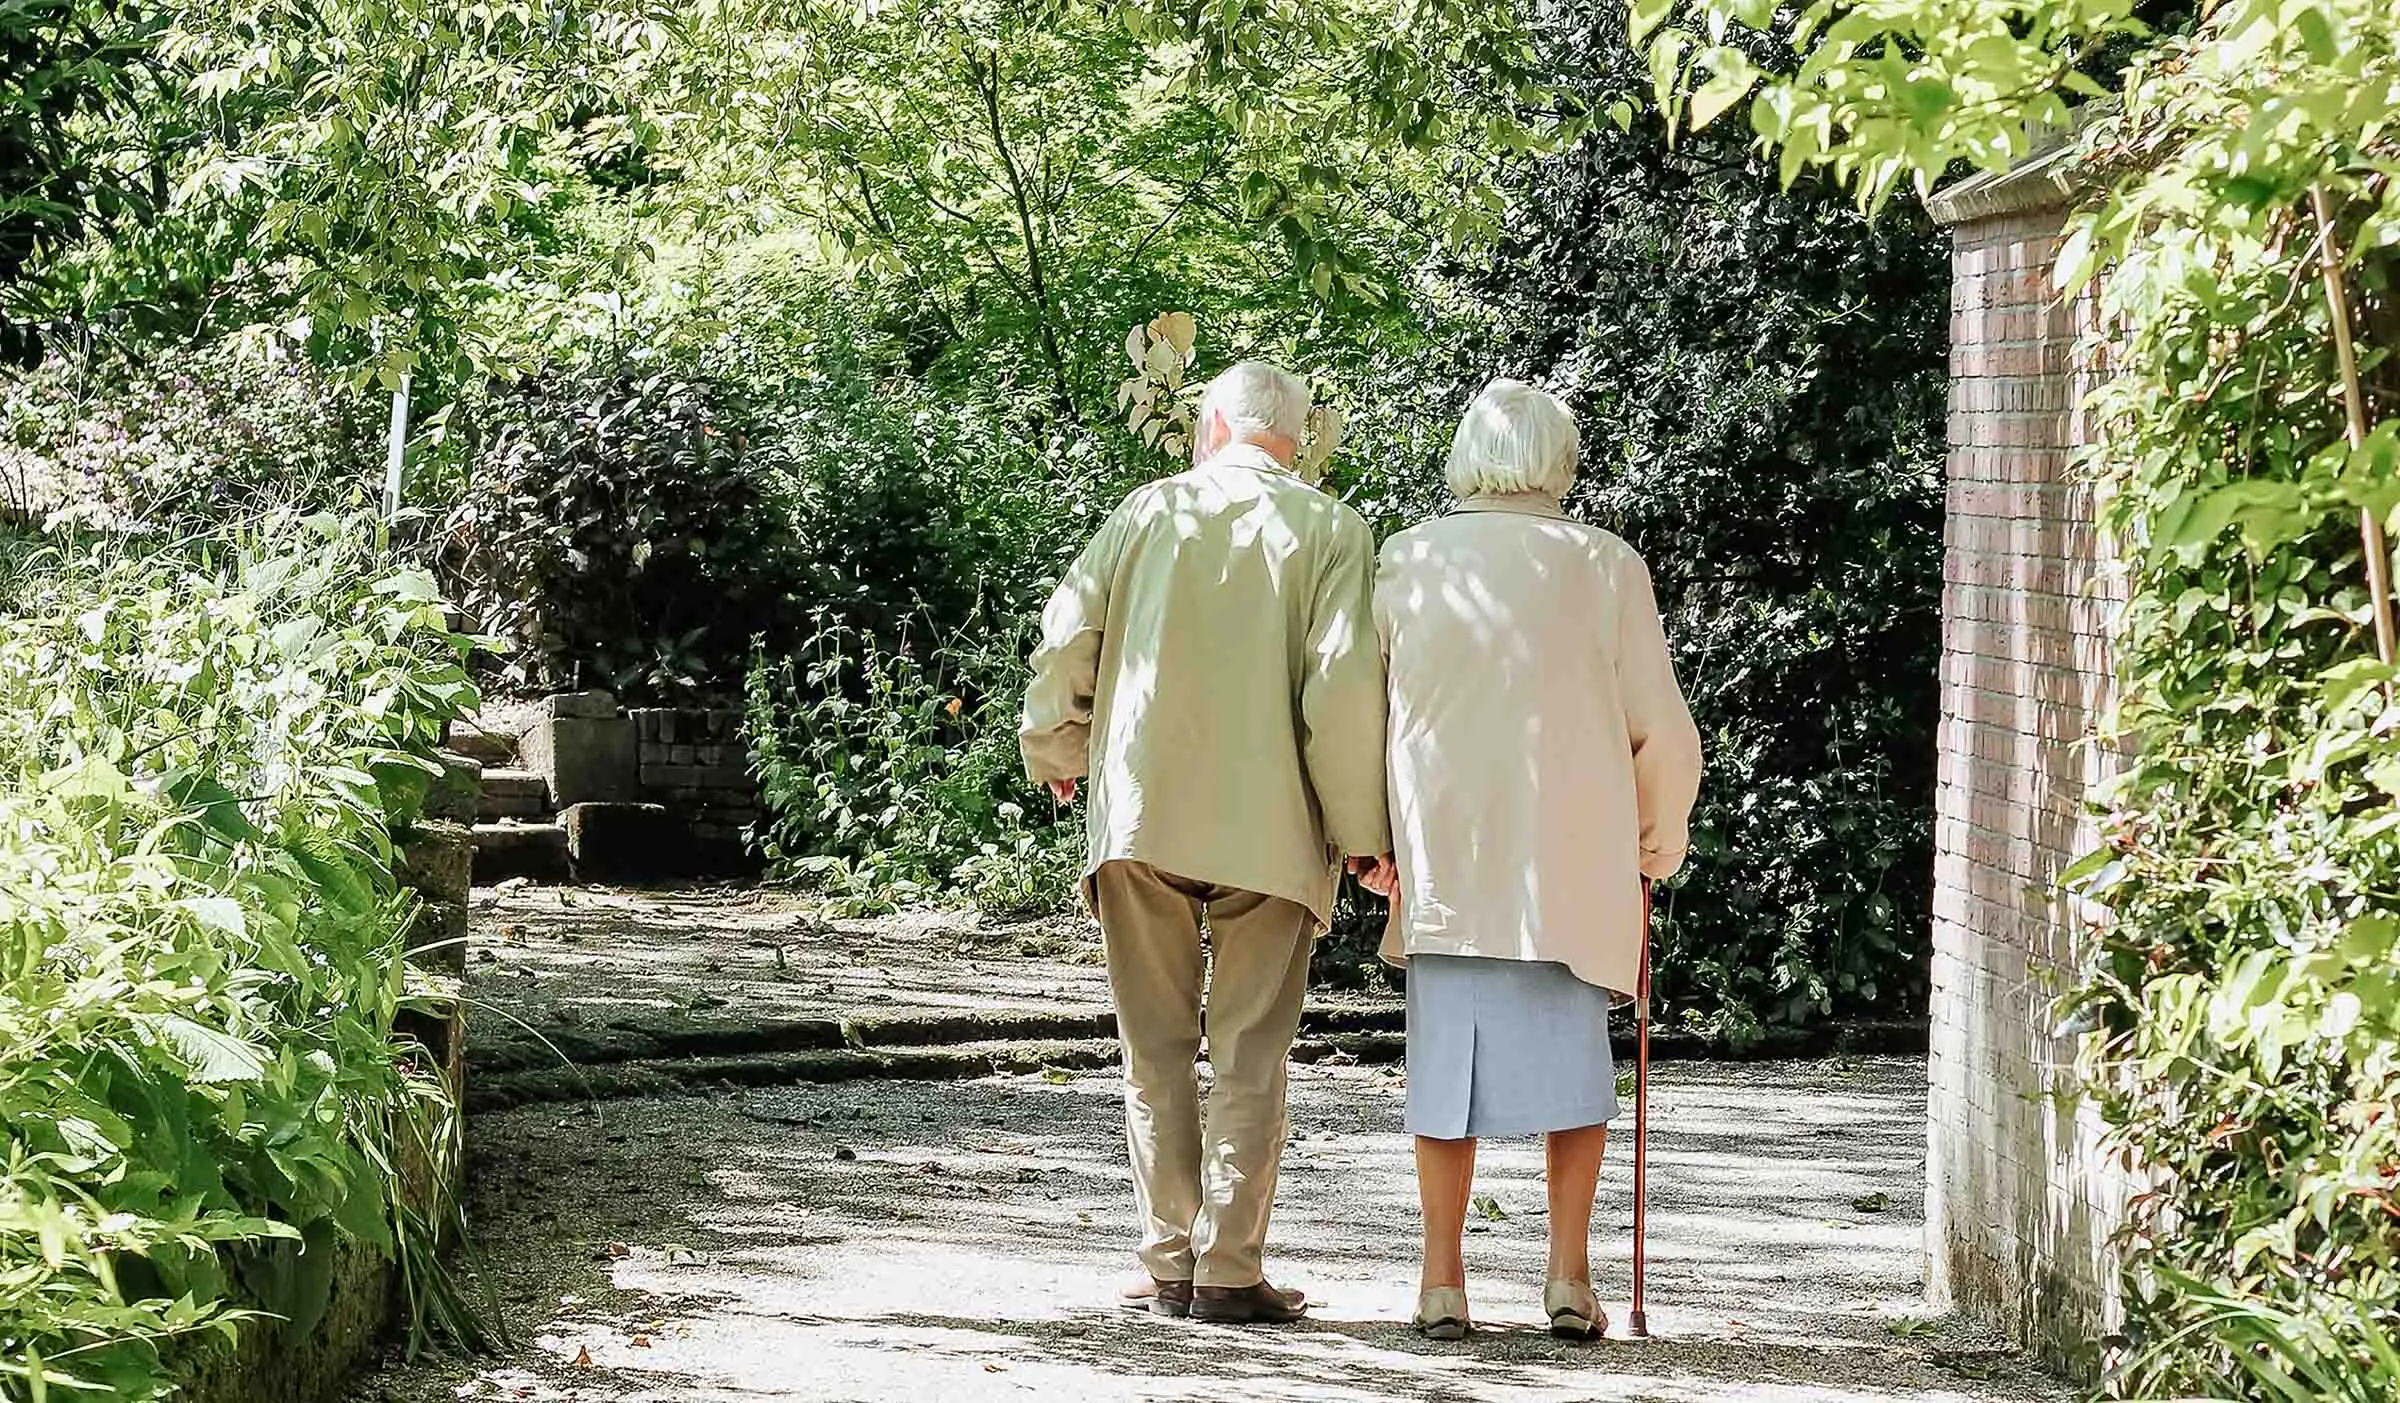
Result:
[[1257, 398], [1514, 438]]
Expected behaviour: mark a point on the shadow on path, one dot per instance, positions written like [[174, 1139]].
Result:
[[949, 1242]]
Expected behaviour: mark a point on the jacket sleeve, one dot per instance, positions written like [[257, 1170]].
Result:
[[1055, 731], [1666, 745], [1342, 697]]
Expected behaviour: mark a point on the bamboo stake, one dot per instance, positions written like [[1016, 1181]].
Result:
[[2354, 405]]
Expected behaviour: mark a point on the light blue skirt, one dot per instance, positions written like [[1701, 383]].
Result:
[[1505, 1047]]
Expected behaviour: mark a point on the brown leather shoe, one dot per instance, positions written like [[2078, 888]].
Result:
[[1248, 1305], [1169, 1298]]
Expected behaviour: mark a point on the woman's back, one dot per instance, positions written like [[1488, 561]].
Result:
[[1541, 755]]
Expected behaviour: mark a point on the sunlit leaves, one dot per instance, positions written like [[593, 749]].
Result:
[[199, 950], [1889, 96]]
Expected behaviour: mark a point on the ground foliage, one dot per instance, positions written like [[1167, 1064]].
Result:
[[2241, 988], [183, 439], [203, 756]]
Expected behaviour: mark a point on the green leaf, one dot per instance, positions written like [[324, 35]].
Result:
[[210, 1054], [92, 777], [410, 587], [220, 809], [220, 914], [1731, 77], [1644, 16]]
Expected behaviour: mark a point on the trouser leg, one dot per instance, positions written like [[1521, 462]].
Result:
[[1259, 947], [1155, 971]]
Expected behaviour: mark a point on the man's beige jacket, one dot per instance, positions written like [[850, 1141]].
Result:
[[1542, 758], [1209, 663]]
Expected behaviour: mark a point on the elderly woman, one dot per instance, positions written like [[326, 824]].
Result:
[[1543, 766]]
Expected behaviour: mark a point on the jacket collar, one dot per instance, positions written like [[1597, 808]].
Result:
[[1248, 455], [1514, 503]]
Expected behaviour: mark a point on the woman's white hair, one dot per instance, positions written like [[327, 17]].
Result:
[[1514, 438], [1257, 398]]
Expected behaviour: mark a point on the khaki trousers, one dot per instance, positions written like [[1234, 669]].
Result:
[[1204, 1192]]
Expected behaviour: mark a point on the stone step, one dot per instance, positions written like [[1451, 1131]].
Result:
[[488, 747], [512, 849], [554, 1079], [510, 793]]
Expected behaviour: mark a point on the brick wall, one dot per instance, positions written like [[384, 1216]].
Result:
[[2019, 1203], [697, 764]]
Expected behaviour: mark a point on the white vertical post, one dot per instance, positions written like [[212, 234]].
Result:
[[391, 463]]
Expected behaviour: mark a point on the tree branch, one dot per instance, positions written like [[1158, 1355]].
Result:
[[988, 80]]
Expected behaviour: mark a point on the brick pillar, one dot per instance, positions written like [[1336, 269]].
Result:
[[2018, 1202]]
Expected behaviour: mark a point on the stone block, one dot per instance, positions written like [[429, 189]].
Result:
[[457, 790], [537, 851], [472, 741], [440, 1025], [624, 842], [580, 706], [513, 794], [435, 860], [585, 759], [437, 936]]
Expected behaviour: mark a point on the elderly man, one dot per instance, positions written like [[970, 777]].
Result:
[[1210, 663]]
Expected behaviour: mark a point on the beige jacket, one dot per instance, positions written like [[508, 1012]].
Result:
[[1542, 758], [1209, 662]]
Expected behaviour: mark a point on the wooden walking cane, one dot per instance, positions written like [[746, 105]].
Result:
[[1637, 1321]]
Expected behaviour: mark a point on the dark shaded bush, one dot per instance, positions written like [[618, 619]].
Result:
[[611, 530], [1760, 380]]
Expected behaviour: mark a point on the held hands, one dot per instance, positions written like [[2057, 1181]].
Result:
[[1379, 875], [1063, 790]]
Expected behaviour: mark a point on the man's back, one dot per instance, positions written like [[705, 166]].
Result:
[[1233, 701]]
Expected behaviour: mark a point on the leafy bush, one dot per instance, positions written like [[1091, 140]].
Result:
[[731, 474], [1759, 376], [2243, 988], [185, 439], [200, 943], [610, 530], [2247, 977], [887, 782]]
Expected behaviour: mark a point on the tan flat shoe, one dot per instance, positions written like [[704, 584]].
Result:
[[1574, 1311], [1442, 1314]]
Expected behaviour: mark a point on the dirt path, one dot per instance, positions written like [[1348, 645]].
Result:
[[913, 1241], [958, 1240]]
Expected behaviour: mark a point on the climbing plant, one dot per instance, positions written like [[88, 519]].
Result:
[[2244, 984]]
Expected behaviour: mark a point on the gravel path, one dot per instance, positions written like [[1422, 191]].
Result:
[[954, 1242]]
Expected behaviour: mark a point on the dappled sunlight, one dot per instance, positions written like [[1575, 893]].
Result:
[[903, 1241], [762, 954]]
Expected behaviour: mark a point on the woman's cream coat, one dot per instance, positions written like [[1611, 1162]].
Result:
[[1542, 759]]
